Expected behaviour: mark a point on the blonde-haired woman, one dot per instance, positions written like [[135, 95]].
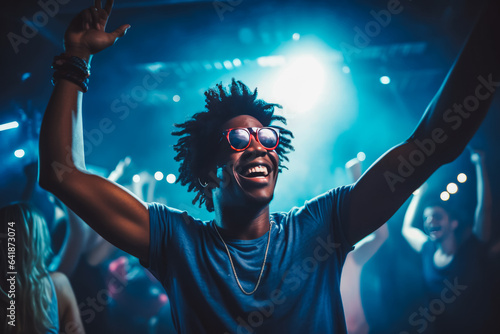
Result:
[[34, 300]]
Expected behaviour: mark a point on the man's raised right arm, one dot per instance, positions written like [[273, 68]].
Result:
[[111, 210]]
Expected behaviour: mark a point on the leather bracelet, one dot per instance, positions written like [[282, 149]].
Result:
[[70, 76], [71, 68]]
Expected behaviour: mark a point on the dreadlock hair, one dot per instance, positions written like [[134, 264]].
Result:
[[199, 136]]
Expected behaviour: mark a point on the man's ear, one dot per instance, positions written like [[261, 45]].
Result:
[[454, 224], [209, 179]]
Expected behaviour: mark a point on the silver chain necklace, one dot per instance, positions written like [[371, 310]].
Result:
[[231, 260]]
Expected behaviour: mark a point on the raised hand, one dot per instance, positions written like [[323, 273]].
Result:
[[86, 33], [119, 170]]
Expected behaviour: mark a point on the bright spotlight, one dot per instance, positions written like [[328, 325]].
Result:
[[25, 76], [385, 80], [158, 176], [7, 126], [346, 69], [19, 153], [452, 188], [445, 196], [176, 98], [171, 178], [136, 178], [228, 65], [361, 156], [300, 84], [462, 178], [296, 36]]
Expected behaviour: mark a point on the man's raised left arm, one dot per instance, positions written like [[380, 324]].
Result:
[[450, 121]]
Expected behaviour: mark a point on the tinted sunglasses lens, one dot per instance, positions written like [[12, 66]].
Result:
[[268, 138], [239, 138]]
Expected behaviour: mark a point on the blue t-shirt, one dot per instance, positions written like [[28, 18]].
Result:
[[299, 289]]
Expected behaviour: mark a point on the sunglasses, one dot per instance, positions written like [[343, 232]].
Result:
[[239, 138]]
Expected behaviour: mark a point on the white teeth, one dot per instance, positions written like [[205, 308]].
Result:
[[257, 169]]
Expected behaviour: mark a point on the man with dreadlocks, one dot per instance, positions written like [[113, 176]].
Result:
[[249, 270]]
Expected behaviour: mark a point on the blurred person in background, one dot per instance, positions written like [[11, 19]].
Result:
[[350, 283], [455, 258], [44, 302]]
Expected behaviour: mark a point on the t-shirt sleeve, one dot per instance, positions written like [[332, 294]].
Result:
[[331, 208], [162, 221]]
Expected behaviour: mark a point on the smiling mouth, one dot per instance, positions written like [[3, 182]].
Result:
[[434, 229], [255, 171]]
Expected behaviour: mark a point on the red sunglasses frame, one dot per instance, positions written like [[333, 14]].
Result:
[[253, 132]]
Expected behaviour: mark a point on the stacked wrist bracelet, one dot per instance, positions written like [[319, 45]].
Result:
[[73, 69]]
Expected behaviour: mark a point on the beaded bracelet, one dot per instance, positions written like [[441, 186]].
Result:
[[73, 69]]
